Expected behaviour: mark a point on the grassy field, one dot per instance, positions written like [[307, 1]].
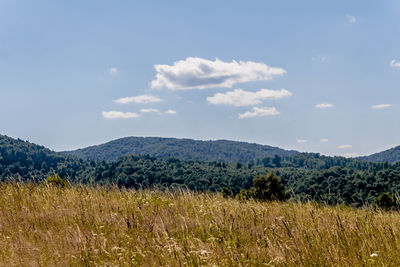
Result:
[[42, 225]]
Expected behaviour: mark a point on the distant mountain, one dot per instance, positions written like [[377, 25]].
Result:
[[184, 149], [391, 155]]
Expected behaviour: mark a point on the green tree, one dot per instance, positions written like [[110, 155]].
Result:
[[386, 201], [226, 192], [277, 161], [268, 188], [243, 194]]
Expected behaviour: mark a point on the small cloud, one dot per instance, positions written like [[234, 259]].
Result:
[[259, 112], [324, 105], [149, 110], [170, 111], [119, 115], [394, 64], [345, 146], [140, 99], [324, 140], [240, 98], [301, 141], [113, 71], [351, 19], [199, 73], [380, 106]]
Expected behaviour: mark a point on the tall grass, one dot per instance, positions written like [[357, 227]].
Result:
[[44, 225]]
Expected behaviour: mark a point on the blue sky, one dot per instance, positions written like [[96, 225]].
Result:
[[305, 75]]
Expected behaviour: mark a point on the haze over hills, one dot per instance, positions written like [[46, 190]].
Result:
[[391, 155], [184, 149]]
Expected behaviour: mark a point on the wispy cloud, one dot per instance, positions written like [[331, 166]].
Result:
[[381, 106], [394, 64], [324, 140], [199, 73], [324, 105], [345, 146], [170, 111], [240, 98], [149, 110], [301, 141], [119, 115], [320, 58], [351, 19], [140, 99], [113, 71], [259, 112]]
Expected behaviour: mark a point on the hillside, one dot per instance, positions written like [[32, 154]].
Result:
[[391, 155], [26, 161], [184, 149]]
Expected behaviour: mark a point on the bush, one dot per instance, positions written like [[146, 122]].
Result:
[[57, 181], [268, 188], [226, 192], [387, 201], [243, 195]]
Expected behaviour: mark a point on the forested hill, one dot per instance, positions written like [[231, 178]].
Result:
[[391, 155], [183, 149], [305, 175], [25, 161]]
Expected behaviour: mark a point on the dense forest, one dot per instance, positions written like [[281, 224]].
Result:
[[184, 149], [306, 176]]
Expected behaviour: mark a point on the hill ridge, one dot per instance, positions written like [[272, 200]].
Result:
[[391, 155], [182, 148]]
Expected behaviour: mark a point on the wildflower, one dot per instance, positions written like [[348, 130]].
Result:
[[374, 255]]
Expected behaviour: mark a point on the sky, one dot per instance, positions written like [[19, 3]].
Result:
[[314, 76]]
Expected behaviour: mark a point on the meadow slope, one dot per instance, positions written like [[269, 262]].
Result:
[[42, 225]]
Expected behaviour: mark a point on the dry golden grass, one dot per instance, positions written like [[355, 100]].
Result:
[[47, 226]]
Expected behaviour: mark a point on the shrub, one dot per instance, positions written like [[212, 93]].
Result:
[[268, 188], [243, 195], [386, 201], [226, 192], [57, 181]]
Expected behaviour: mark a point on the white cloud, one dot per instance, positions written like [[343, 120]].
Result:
[[380, 106], [301, 141], [394, 64], [240, 98], [324, 105], [119, 115], [170, 111], [350, 155], [259, 112], [149, 110], [351, 19], [324, 140], [199, 73], [345, 146], [113, 71], [140, 99]]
